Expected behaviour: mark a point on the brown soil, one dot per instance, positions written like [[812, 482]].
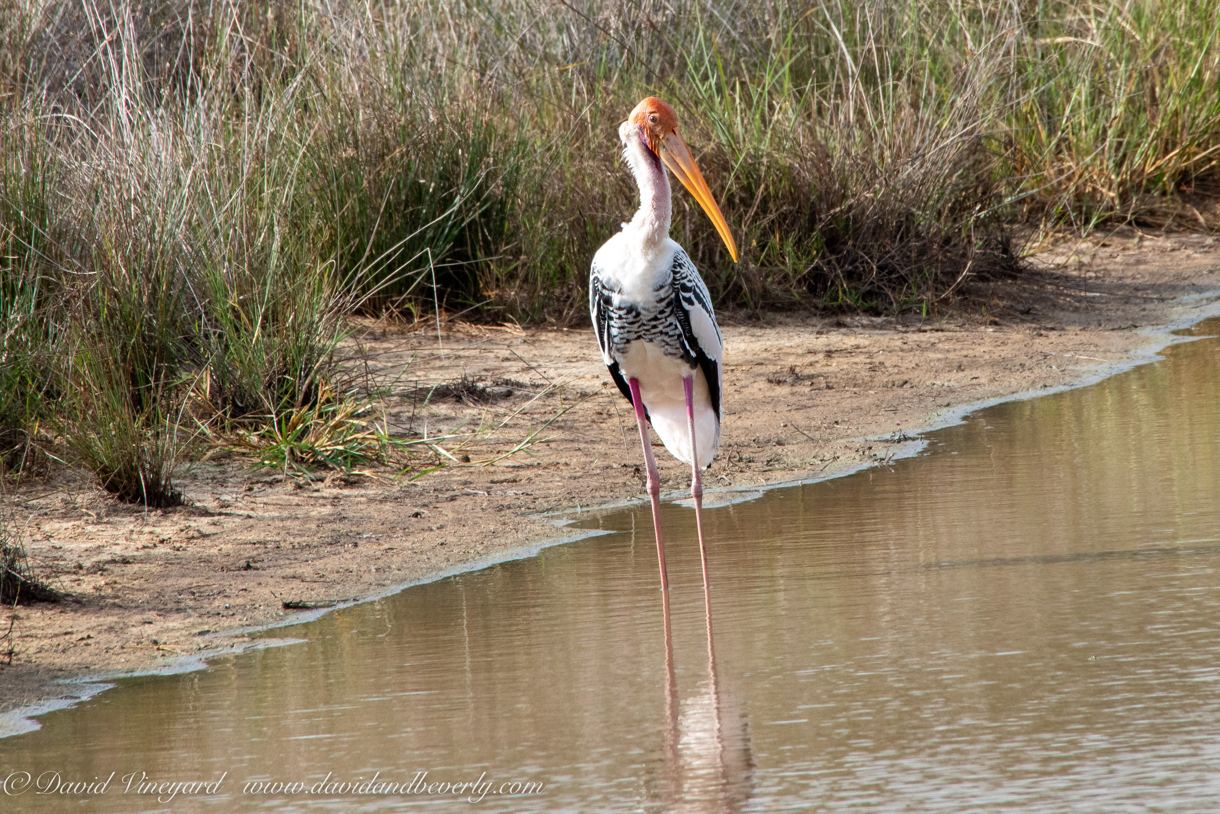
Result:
[[803, 395]]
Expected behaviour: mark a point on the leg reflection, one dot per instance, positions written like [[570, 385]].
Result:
[[707, 750]]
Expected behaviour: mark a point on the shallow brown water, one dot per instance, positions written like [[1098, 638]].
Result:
[[1024, 617]]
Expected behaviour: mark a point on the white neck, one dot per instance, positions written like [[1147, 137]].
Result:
[[651, 221]]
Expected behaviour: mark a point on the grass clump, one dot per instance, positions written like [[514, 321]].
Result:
[[185, 280], [28, 300], [1116, 113], [18, 582], [335, 434], [120, 430]]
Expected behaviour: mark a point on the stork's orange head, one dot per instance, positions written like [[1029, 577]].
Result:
[[659, 124], [657, 119]]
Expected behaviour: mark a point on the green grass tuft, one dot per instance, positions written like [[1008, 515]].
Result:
[[18, 582]]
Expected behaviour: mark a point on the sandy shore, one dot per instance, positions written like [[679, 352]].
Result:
[[803, 395]]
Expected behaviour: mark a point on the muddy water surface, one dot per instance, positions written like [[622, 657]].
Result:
[[1026, 616]]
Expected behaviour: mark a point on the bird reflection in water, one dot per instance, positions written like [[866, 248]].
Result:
[[708, 763]]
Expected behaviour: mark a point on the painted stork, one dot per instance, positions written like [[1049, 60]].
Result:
[[653, 314]]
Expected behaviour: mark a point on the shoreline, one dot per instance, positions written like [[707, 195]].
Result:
[[162, 592]]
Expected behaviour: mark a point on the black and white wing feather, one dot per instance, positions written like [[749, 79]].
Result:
[[602, 312], [680, 320], [703, 345]]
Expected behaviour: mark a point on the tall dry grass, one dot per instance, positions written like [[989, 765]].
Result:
[[194, 194]]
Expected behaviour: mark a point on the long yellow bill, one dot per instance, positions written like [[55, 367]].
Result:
[[677, 157]]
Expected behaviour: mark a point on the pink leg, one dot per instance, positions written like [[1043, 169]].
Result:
[[654, 480], [696, 481]]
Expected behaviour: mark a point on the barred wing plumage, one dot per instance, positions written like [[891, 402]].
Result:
[[700, 333], [601, 308], [678, 319]]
